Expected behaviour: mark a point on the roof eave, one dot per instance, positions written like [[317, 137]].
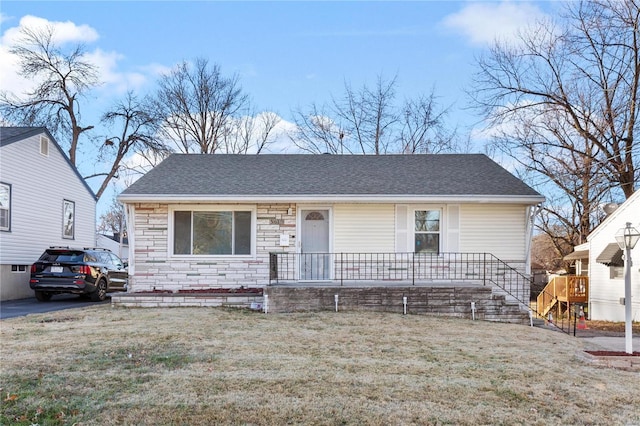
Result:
[[338, 198]]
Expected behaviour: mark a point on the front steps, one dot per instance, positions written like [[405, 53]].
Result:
[[452, 300]]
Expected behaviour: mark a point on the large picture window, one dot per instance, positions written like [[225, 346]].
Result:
[[212, 232], [5, 207], [427, 231]]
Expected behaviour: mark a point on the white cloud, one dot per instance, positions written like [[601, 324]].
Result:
[[483, 23], [65, 33], [113, 80]]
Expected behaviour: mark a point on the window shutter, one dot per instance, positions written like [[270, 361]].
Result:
[[453, 228], [402, 242]]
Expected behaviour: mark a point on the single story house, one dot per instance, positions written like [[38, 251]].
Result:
[[199, 221], [602, 260], [43, 202]]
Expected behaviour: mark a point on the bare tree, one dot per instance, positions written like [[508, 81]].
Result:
[[582, 72], [317, 133], [369, 121], [62, 79], [196, 103], [549, 252], [423, 130], [562, 103], [113, 220], [137, 131], [251, 133]]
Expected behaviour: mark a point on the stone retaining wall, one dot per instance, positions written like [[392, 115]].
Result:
[[167, 300], [446, 301]]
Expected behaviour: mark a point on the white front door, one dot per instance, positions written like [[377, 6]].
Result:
[[315, 260]]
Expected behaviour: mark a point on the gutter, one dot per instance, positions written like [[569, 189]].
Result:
[[531, 200]]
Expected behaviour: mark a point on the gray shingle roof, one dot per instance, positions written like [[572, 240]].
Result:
[[307, 175], [9, 135], [13, 134]]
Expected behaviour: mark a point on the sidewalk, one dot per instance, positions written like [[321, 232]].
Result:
[[609, 343], [595, 340]]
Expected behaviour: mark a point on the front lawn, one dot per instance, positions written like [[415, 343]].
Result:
[[221, 366]]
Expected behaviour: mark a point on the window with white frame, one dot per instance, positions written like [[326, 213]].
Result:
[[207, 232], [5, 207], [427, 231], [18, 268]]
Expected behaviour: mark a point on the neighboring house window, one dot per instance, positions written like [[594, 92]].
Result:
[[212, 232], [616, 272], [18, 268], [68, 219], [44, 145], [427, 231], [5, 207]]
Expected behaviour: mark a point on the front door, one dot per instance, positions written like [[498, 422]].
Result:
[[314, 251]]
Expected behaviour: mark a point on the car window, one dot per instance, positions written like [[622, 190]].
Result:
[[116, 260], [103, 257], [62, 256]]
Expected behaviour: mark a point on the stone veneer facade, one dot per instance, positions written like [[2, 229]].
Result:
[[155, 270]]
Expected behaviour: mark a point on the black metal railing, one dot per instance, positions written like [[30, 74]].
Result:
[[400, 267]]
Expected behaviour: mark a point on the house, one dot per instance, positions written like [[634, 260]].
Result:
[[602, 260], [43, 202], [113, 244], [206, 221]]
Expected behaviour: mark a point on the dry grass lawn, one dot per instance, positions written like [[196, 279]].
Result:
[[193, 366]]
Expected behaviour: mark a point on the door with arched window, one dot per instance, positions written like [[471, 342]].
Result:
[[314, 250]]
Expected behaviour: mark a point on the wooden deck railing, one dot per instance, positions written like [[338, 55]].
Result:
[[566, 288]]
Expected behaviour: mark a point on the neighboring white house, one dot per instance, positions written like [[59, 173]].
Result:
[[206, 221], [43, 202], [113, 244], [605, 266]]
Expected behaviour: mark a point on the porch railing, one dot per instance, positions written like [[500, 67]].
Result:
[[400, 267]]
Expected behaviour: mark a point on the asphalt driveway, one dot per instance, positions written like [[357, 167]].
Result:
[[22, 307]]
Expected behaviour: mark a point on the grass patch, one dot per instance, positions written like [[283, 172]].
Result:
[[104, 366]]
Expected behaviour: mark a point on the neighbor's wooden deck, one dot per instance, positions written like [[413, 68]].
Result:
[[564, 289]]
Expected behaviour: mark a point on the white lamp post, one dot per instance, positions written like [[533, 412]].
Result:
[[627, 238]]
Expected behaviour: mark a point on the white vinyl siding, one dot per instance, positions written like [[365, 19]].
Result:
[[364, 228], [605, 292], [38, 188], [499, 229]]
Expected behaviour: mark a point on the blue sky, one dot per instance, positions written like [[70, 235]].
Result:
[[287, 54]]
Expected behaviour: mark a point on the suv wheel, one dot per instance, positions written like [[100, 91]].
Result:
[[101, 291], [41, 296]]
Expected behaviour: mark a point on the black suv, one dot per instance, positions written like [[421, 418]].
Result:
[[88, 271]]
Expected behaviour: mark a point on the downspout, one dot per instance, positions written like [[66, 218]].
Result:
[[129, 212], [532, 212]]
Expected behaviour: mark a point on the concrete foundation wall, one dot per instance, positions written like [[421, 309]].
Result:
[[14, 285]]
